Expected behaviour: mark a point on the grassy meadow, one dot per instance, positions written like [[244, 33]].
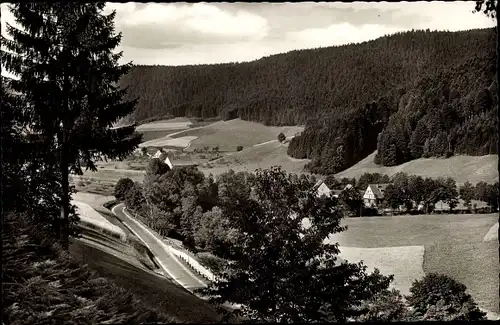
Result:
[[453, 245], [228, 135], [461, 168], [260, 156]]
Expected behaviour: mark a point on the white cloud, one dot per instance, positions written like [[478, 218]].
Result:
[[338, 34], [181, 33], [185, 24]]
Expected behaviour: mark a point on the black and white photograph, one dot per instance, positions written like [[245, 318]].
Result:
[[249, 162]]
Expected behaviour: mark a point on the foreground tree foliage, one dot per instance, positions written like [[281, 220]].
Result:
[[71, 115], [439, 297], [279, 270]]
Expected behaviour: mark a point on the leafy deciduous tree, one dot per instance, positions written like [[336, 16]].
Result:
[[280, 271]]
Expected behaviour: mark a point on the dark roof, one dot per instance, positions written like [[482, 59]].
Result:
[[378, 190], [337, 192], [318, 183]]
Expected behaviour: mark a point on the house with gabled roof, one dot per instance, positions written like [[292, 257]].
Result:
[[323, 189], [374, 194]]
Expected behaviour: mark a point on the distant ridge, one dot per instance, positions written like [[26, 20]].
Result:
[[346, 95]]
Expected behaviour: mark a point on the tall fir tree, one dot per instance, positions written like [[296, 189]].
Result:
[[68, 74]]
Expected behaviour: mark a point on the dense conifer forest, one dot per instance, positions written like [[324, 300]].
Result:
[[409, 95]]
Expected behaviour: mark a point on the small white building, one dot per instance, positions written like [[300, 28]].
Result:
[[167, 161], [323, 189], [157, 154]]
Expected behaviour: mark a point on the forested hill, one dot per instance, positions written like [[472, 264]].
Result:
[[347, 94]]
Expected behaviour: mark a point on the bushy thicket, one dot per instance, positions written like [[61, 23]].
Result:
[[438, 85]]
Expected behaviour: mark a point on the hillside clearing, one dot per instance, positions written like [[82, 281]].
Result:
[[180, 143], [228, 135], [160, 129], [173, 124], [260, 156], [461, 168]]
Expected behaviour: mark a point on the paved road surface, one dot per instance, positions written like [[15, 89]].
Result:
[[169, 263]]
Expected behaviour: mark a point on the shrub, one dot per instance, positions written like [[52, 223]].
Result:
[[122, 187], [281, 137], [212, 262], [440, 297], [239, 148], [386, 306]]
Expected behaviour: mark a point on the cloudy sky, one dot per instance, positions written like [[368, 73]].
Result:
[[182, 33]]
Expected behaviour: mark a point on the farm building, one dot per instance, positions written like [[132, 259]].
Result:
[[168, 158], [323, 189], [374, 194]]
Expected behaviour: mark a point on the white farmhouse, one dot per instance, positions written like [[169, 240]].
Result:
[[374, 194], [323, 189]]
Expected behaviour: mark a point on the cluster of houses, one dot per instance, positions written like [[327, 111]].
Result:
[[373, 197]]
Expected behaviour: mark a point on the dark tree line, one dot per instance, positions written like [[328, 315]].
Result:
[[410, 191], [346, 96]]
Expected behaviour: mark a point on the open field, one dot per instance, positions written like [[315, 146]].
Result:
[[461, 168], [405, 262], [409, 230], [173, 143], [453, 246], [261, 156], [228, 135], [94, 200], [94, 185], [160, 129], [473, 264]]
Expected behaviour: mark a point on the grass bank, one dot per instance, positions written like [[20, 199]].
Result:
[[43, 285]]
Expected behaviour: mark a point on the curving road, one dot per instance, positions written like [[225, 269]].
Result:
[[170, 264], [154, 290]]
